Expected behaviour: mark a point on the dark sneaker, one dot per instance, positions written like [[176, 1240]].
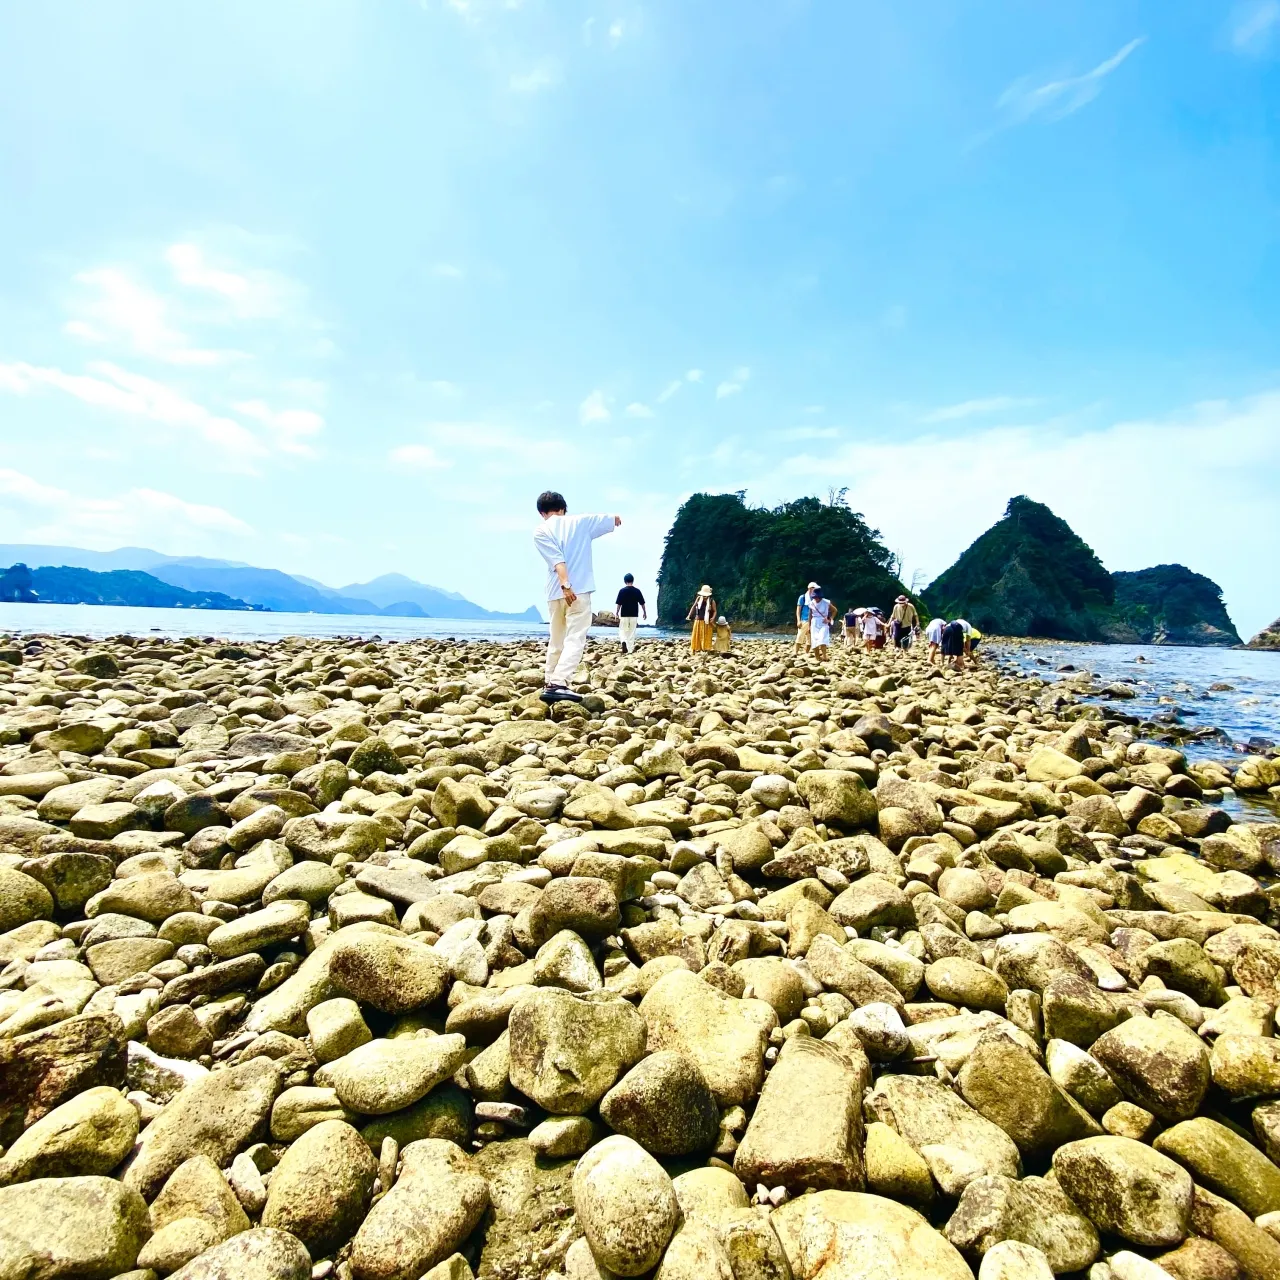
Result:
[[558, 693]]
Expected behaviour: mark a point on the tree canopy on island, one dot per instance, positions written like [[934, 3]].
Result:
[[758, 559]]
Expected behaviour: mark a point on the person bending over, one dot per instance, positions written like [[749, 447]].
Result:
[[564, 543]]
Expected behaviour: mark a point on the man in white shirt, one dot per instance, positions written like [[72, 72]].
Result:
[[564, 542]]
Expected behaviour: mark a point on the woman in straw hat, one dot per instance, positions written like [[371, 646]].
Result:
[[702, 613]]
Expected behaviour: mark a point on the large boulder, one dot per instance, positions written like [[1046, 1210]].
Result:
[[814, 1080], [957, 1143], [383, 1076], [215, 1117], [321, 1187], [392, 973], [1158, 1063], [88, 1134], [87, 1228], [567, 1050], [435, 1204], [1034, 1211], [1220, 1159], [625, 1205], [1126, 1189], [837, 796], [725, 1036], [261, 1254], [1004, 1083], [847, 1235], [664, 1104]]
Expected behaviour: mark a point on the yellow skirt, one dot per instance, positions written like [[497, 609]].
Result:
[[701, 639]]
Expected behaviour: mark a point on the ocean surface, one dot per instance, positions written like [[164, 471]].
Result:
[[1172, 683]]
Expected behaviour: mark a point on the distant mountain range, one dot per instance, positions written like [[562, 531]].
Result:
[[391, 595]]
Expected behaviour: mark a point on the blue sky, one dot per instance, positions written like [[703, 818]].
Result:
[[338, 287]]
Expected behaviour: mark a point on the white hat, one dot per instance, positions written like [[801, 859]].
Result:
[[813, 586], [704, 590]]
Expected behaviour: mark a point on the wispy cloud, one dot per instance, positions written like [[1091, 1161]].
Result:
[[694, 375], [447, 270], [421, 457], [112, 387], [734, 383], [443, 387], [1254, 26], [113, 307], [1029, 96], [594, 409], [638, 410], [617, 29], [291, 427], [976, 408], [34, 510], [669, 390], [534, 81]]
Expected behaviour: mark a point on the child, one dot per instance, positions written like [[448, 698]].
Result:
[[564, 542]]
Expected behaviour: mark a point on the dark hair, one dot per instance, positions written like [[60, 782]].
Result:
[[551, 501], [628, 578]]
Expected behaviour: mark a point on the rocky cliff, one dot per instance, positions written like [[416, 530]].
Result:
[[757, 560], [1030, 574], [1267, 638], [1168, 604]]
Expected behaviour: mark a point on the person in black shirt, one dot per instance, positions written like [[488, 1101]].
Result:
[[630, 605]]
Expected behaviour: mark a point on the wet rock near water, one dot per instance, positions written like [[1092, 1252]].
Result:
[[330, 959]]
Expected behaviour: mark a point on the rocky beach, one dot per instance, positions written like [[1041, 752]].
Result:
[[324, 958]]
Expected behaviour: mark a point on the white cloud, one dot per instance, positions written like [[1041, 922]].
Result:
[[113, 307], [594, 409], [37, 512], [694, 375], [975, 408], [535, 80], [448, 271], [422, 457], [442, 387], [1210, 454], [1254, 26], [815, 408], [617, 29], [290, 427], [140, 397], [669, 390], [247, 294], [1056, 99], [638, 410], [733, 383]]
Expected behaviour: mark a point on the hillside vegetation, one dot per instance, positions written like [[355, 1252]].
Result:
[[1031, 574], [758, 559]]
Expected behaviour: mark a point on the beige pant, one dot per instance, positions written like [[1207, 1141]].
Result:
[[802, 636], [568, 638], [627, 633]]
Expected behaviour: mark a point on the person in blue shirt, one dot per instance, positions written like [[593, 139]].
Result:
[[804, 611]]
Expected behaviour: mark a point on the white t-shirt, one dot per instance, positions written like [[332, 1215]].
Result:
[[933, 632], [568, 539]]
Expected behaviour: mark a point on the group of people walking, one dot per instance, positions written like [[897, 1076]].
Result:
[[564, 542], [952, 641]]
